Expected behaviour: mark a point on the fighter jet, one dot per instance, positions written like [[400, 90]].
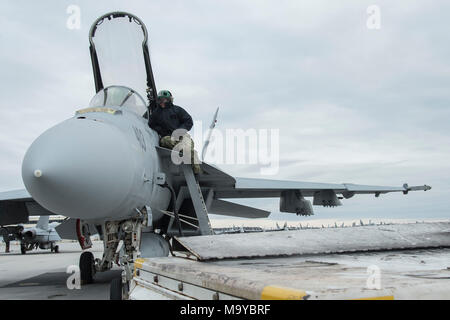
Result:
[[104, 169], [43, 235]]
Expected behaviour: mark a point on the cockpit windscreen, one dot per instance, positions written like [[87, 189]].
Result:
[[119, 96]]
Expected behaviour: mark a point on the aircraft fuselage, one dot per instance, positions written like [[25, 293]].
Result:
[[99, 165]]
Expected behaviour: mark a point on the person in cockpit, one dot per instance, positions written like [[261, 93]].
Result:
[[166, 118]]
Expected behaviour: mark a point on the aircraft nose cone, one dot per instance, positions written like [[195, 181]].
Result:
[[80, 168]]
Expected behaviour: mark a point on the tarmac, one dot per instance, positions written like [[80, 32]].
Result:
[[42, 275], [421, 272]]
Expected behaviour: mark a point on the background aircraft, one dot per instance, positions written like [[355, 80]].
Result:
[[104, 168], [43, 235]]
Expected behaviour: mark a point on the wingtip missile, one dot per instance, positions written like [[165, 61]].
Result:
[[415, 188]]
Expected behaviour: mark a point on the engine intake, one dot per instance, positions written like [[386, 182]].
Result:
[[30, 234]]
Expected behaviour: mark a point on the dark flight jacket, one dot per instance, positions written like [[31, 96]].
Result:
[[166, 120]]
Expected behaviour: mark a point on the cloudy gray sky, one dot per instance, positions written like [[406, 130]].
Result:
[[352, 104]]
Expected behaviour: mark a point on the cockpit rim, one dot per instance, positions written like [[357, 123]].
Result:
[[140, 109]]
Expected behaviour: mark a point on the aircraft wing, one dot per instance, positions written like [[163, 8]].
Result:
[[15, 195], [17, 205], [265, 188], [291, 193]]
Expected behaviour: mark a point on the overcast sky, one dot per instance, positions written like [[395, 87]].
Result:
[[352, 104]]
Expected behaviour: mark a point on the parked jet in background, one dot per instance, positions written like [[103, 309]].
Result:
[[43, 235]]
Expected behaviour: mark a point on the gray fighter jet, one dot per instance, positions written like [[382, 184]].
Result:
[[43, 235], [104, 169]]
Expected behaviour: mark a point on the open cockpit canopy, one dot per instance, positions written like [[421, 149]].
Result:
[[120, 56]]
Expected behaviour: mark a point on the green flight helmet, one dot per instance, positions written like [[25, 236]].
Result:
[[165, 94]]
